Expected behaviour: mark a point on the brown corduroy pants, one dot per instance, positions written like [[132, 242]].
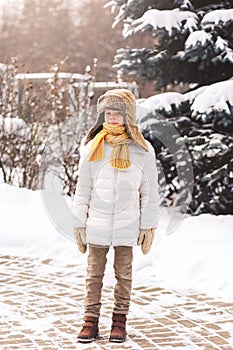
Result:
[[97, 259]]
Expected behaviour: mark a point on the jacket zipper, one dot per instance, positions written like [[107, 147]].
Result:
[[114, 200]]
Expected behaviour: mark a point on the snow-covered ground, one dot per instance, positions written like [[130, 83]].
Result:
[[196, 255]]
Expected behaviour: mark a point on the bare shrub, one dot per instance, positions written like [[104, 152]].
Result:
[[41, 127]]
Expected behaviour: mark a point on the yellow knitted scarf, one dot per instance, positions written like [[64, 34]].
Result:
[[117, 137]]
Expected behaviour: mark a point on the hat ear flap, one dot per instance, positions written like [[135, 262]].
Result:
[[96, 127], [101, 118]]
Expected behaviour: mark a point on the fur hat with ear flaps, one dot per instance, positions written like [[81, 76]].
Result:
[[124, 101]]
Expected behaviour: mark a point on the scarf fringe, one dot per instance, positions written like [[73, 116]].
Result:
[[120, 163]]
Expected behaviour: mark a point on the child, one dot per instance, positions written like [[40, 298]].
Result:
[[115, 204]]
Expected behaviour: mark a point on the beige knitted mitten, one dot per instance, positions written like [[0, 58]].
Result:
[[145, 239], [80, 237]]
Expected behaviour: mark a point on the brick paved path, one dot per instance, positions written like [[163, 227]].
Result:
[[41, 307]]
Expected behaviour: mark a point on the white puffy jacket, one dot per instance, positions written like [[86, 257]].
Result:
[[113, 205]]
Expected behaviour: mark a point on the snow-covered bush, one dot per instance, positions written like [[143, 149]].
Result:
[[21, 140], [20, 150]]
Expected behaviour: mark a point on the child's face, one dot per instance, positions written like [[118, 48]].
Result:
[[113, 117]]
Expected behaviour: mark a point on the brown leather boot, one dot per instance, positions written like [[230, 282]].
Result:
[[90, 330], [118, 332]]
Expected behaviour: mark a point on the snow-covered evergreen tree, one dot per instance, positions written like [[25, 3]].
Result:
[[193, 47]]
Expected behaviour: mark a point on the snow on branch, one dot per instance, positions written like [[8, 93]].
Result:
[[226, 53], [186, 5], [119, 17], [166, 19], [215, 97], [159, 102], [199, 37], [216, 17], [114, 5], [111, 4]]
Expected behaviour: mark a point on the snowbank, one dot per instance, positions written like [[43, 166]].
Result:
[[197, 255], [26, 229]]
